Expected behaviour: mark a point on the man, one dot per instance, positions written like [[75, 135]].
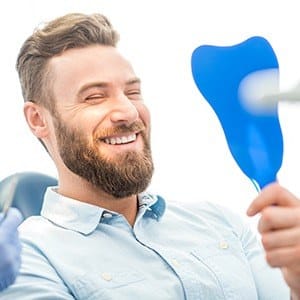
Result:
[[10, 248], [100, 234]]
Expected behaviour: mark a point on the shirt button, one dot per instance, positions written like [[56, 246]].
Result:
[[107, 215], [175, 262], [106, 276], [223, 245]]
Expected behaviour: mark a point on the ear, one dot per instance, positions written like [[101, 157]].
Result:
[[36, 118]]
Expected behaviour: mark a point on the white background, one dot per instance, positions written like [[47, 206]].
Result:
[[191, 156]]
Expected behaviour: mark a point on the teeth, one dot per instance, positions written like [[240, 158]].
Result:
[[131, 138], [120, 140]]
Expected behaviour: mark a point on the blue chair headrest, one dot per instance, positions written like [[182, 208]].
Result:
[[29, 193]]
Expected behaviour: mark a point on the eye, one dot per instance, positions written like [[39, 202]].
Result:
[[134, 94], [95, 98]]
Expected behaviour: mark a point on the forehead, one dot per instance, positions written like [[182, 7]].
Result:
[[77, 67]]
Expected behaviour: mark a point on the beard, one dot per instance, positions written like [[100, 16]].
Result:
[[125, 175]]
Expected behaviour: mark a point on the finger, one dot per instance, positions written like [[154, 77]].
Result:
[[273, 194], [284, 257], [12, 220], [276, 217], [291, 276], [281, 238]]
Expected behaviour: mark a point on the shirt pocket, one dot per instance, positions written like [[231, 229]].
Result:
[[107, 285], [227, 261]]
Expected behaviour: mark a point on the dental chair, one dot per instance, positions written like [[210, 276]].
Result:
[[29, 193]]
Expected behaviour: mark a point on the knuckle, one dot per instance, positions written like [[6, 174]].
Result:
[[266, 241], [271, 260], [279, 191], [296, 217], [267, 217], [296, 253], [267, 214]]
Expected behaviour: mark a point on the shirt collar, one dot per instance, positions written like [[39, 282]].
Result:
[[69, 213], [83, 217], [154, 205]]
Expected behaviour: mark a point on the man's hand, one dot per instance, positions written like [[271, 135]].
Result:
[[279, 226], [10, 247]]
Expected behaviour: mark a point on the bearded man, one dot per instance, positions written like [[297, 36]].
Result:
[[100, 234]]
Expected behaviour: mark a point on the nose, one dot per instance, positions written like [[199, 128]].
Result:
[[124, 111]]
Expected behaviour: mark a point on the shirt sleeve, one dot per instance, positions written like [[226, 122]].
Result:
[[37, 280]]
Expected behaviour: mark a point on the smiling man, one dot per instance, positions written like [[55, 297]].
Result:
[[101, 127], [100, 234]]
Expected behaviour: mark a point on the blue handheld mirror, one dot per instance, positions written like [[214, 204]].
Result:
[[233, 79]]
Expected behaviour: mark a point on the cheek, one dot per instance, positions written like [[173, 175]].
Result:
[[90, 119], [94, 114], [144, 114]]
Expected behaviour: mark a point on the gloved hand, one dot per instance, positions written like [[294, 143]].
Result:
[[10, 247]]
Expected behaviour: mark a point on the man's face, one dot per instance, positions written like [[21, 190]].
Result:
[[101, 124]]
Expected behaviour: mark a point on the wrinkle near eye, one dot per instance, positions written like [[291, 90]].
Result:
[[72, 108]]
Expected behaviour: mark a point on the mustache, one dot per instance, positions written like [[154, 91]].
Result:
[[134, 127]]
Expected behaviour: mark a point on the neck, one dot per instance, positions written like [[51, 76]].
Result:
[[81, 190]]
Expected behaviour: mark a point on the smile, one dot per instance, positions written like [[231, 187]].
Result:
[[120, 140]]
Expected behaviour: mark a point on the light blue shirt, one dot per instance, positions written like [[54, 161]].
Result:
[[197, 251]]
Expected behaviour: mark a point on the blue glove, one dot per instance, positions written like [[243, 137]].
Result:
[[10, 247]]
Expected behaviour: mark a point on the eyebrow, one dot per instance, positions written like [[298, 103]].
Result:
[[105, 84], [133, 81]]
